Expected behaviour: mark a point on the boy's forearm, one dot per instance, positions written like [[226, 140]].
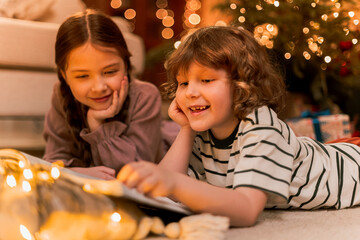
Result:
[[177, 158], [243, 208]]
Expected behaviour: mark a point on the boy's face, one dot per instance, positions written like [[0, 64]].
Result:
[[93, 74], [205, 95]]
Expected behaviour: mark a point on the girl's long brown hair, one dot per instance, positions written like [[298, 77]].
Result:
[[97, 28], [255, 79]]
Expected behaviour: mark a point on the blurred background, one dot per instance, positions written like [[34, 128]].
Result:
[[314, 42]]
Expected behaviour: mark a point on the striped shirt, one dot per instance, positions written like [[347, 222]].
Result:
[[295, 172]]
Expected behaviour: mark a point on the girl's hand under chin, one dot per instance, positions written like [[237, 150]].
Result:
[[176, 114], [96, 117]]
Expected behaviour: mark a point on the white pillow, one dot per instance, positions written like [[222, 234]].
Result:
[[24, 9]]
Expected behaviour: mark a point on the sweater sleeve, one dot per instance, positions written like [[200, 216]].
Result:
[[59, 142], [116, 143]]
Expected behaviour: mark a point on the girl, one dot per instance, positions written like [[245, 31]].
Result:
[[240, 157], [101, 117]]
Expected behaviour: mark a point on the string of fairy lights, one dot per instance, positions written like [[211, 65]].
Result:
[[191, 17], [264, 33]]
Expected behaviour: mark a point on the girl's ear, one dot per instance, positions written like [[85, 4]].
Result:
[[63, 74]]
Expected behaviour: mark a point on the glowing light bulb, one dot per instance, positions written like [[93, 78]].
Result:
[[115, 217], [327, 59], [28, 174], [25, 232], [287, 55], [351, 14], [177, 44], [55, 172], [241, 19], [26, 186], [11, 181]]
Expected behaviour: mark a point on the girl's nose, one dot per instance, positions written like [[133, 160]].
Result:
[[99, 84], [192, 90]]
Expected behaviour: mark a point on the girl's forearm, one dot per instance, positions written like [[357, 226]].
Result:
[[242, 206], [177, 158]]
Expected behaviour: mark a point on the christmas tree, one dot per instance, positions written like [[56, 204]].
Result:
[[316, 41]]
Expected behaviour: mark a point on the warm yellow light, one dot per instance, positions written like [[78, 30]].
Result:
[[354, 41], [28, 174], [306, 30], [161, 13], [25, 232], [87, 187], [55, 172], [168, 21], [11, 181], [161, 3], [241, 19], [336, 14], [337, 5], [21, 164], [130, 14], [193, 5], [242, 10], [287, 55], [194, 19], [313, 5], [356, 21], [115, 217], [167, 33], [177, 44], [276, 3], [233, 6], [324, 17], [323, 66], [351, 14], [306, 55], [115, 4], [220, 23], [327, 59], [26, 186]]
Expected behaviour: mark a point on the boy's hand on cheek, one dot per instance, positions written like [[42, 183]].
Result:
[[176, 114], [147, 178], [96, 117]]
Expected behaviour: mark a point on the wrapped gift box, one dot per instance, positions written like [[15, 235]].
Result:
[[322, 128]]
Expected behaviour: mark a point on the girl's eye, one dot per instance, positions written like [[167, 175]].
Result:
[[110, 72], [81, 76]]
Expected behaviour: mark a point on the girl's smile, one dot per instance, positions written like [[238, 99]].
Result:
[[205, 95]]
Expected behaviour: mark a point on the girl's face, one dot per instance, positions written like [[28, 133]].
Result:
[[93, 73], [205, 95]]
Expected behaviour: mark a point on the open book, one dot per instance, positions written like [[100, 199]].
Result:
[[113, 188]]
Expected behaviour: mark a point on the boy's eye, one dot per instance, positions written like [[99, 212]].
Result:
[[207, 80], [183, 83]]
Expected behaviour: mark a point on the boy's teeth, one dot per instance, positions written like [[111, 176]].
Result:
[[198, 108]]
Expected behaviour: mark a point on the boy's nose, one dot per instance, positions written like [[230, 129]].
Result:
[[192, 90]]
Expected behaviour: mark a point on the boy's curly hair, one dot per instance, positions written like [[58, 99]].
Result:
[[255, 80]]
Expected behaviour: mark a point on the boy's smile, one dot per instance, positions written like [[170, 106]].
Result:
[[205, 95]]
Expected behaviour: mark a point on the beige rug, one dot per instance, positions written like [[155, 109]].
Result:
[[305, 225]]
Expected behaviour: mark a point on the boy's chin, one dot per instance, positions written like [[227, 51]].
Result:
[[198, 128]]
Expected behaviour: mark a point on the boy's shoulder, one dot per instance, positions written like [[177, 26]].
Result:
[[262, 116]]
